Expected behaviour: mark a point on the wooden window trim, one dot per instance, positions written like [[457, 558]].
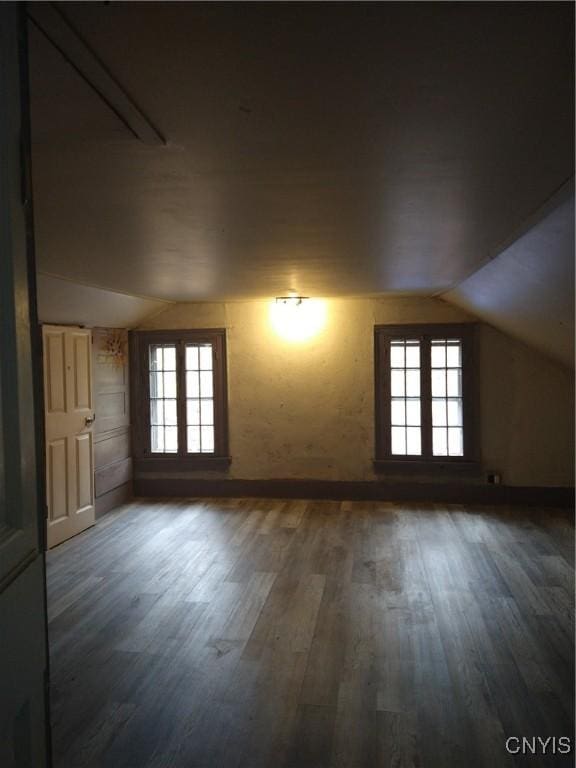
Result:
[[384, 459], [139, 344]]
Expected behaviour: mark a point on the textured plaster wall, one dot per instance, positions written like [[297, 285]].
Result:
[[527, 412], [306, 410]]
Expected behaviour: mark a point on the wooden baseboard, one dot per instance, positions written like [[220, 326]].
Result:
[[455, 493], [114, 498]]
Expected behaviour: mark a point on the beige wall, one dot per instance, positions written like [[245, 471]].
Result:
[[527, 412], [306, 410]]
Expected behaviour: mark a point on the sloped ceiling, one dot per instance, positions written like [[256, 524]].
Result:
[[339, 149], [67, 303], [528, 289], [334, 148]]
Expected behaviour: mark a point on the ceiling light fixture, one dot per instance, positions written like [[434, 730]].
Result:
[[294, 300], [297, 318]]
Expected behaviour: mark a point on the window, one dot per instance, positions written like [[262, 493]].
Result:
[[424, 393], [180, 395]]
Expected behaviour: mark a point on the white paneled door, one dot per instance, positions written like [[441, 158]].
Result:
[[69, 414]]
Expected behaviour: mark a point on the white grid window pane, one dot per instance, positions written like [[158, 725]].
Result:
[[413, 383], [207, 437], [454, 412], [206, 384], [413, 356], [413, 413], [170, 384], [438, 355], [397, 383], [413, 447], [200, 399], [439, 413], [439, 383], [453, 383], [207, 412], [405, 404], [157, 439], [439, 441], [170, 413], [169, 359], [398, 441], [454, 355], [163, 393], [171, 439], [155, 358], [192, 411], [447, 403], [192, 358], [192, 384], [193, 439], [205, 358], [156, 384], [398, 413], [397, 355], [455, 441]]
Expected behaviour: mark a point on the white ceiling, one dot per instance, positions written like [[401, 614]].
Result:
[[338, 149]]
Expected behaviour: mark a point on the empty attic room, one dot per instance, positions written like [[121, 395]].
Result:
[[287, 385]]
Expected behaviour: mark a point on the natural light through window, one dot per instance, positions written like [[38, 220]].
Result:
[[405, 417], [199, 398], [424, 399], [163, 402], [446, 383]]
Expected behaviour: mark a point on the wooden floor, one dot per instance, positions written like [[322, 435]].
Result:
[[243, 634]]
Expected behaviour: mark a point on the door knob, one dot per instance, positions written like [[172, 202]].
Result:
[[89, 420]]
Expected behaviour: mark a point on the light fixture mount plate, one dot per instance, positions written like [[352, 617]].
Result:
[[296, 300]]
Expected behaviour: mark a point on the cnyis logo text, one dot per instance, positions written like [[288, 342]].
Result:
[[539, 745]]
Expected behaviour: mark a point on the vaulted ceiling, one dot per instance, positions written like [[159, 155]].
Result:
[[333, 148]]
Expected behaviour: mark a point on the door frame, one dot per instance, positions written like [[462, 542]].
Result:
[[24, 697]]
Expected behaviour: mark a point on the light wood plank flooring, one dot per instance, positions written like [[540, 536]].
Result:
[[294, 634]]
